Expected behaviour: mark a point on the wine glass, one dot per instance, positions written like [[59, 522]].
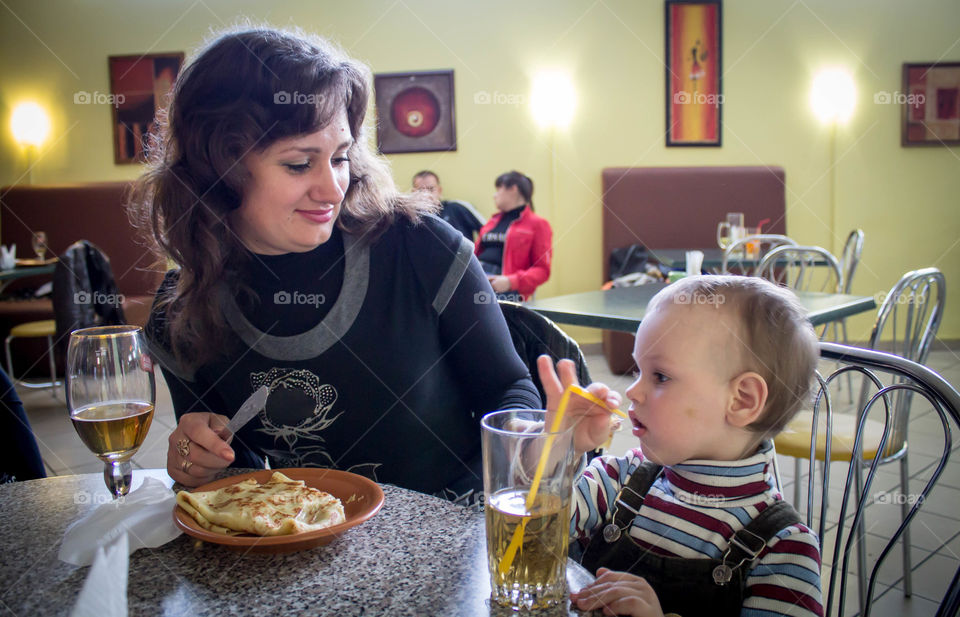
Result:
[[111, 392], [723, 235], [39, 242], [730, 230]]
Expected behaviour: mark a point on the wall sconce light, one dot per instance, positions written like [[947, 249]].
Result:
[[833, 96], [553, 99], [31, 126]]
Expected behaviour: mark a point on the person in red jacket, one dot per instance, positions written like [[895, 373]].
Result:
[[515, 246]]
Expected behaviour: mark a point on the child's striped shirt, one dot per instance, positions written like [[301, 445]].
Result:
[[692, 510]]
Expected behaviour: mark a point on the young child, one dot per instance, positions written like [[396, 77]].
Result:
[[691, 522]]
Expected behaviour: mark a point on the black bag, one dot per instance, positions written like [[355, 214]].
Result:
[[627, 260]]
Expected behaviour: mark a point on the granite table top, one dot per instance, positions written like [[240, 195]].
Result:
[[418, 556]]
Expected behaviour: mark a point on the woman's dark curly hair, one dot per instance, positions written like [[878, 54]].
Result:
[[242, 93]]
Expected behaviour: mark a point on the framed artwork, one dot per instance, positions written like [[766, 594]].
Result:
[[930, 104], [139, 84], [415, 112], [693, 80]]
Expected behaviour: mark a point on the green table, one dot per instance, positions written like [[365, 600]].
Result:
[[676, 259], [8, 276], [622, 309]]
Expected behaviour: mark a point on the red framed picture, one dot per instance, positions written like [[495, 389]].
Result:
[[415, 112], [693, 80], [930, 105], [139, 85]]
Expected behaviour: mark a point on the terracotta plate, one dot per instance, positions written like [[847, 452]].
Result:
[[361, 499]]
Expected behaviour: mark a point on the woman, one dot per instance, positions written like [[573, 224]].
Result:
[[303, 269], [515, 246]]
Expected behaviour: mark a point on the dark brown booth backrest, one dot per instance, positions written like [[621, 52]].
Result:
[[90, 211], [679, 207]]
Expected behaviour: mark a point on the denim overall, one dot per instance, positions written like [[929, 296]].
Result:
[[688, 587]]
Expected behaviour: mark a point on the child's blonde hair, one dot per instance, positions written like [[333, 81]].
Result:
[[776, 338]]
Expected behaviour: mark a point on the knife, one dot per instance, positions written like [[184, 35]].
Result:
[[250, 408]]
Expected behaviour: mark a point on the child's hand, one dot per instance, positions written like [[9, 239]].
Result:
[[618, 593], [595, 424]]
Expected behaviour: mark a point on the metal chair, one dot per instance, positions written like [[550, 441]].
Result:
[[84, 295], [910, 315], [849, 261], [908, 378], [732, 255], [803, 268], [534, 335], [45, 328]]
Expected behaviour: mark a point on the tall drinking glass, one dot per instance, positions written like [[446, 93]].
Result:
[[39, 244], [526, 546], [111, 391]]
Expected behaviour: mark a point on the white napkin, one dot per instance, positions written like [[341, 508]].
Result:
[[145, 515], [8, 257], [694, 262], [104, 593]]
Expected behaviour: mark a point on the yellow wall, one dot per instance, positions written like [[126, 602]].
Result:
[[904, 199]]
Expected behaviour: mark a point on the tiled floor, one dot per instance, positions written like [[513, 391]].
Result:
[[936, 532]]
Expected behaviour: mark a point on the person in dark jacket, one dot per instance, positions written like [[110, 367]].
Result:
[[463, 216]]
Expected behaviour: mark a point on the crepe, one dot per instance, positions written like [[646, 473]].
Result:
[[280, 507]]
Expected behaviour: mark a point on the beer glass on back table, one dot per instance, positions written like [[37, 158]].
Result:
[[39, 244], [513, 441], [730, 229], [111, 391]]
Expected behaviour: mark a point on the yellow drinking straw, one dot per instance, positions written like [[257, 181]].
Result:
[[507, 560], [595, 400]]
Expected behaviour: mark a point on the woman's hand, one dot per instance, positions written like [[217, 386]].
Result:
[[618, 593], [500, 283], [198, 448], [594, 424]]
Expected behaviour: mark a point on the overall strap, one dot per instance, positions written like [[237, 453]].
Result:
[[631, 495], [746, 544]]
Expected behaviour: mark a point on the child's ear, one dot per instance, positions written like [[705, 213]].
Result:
[[748, 396]]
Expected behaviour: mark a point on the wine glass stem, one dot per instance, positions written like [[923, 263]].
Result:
[[118, 477]]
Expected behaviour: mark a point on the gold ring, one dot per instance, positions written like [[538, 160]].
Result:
[[183, 447], [185, 465]]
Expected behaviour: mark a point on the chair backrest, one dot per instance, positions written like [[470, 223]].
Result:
[[733, 264], [838, 541], [906, 325], [851, 257], [910, 314], [534, 335], [84, 291], [802, 268]]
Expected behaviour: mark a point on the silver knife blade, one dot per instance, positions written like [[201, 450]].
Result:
[[250, 408]]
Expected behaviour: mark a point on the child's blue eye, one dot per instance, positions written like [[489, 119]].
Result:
[[660, 377], [340, 160]]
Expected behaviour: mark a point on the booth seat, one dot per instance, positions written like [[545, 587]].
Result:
[[67, 213], [679, 208]]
